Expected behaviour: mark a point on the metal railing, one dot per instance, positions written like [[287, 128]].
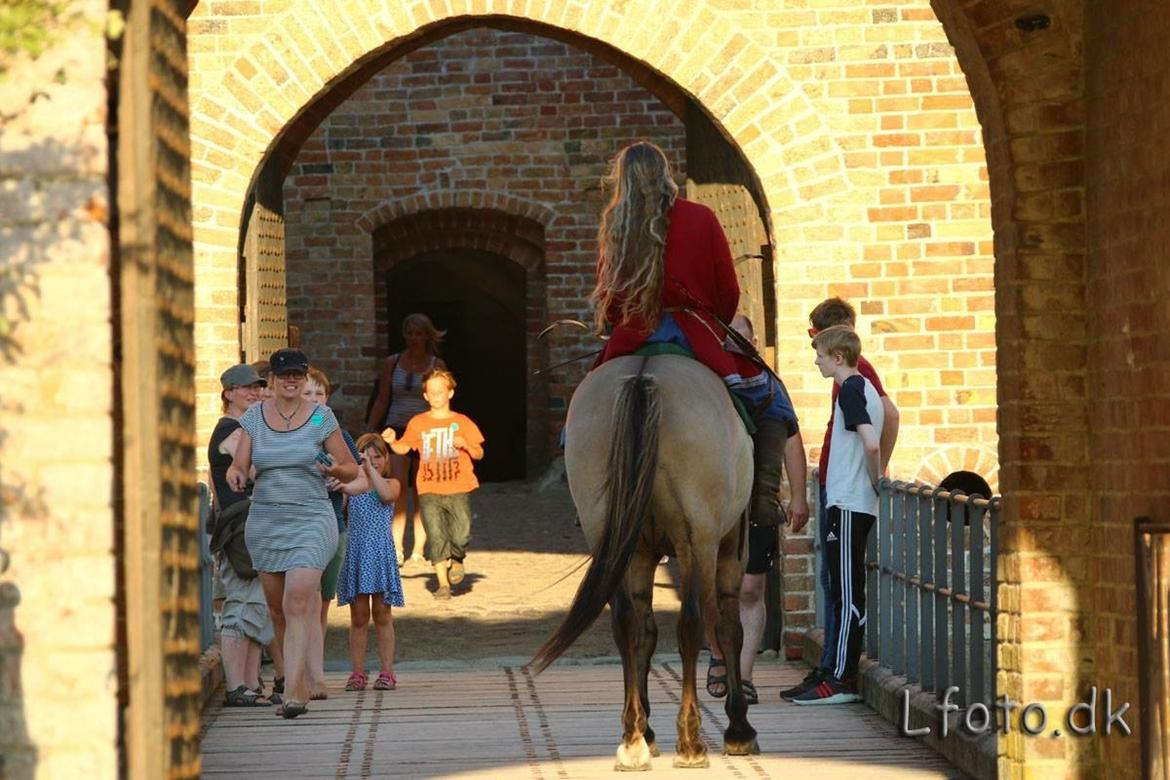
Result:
[[930, 589], [206, 618]]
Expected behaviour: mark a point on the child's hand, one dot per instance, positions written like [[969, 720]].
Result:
[[459, 442], [333, 483], [389, 435]]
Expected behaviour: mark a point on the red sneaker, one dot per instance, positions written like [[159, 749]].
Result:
[[830, 691]]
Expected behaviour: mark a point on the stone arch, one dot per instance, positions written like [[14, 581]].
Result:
[[511, 234]]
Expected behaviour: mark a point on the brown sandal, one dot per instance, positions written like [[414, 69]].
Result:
[[717, 683], [291, 709], [245, 697]]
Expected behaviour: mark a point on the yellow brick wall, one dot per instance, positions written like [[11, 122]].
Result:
[[862, 129], [876, 192], [857, 120], [57, 617]]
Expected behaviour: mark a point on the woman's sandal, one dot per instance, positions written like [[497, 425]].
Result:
[[356, 682], [717, 683], [245, 697], [386, 682], [749, 692], [291, 709]]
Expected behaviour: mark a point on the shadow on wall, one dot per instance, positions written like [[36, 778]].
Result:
[[18, 757], [18, 499]]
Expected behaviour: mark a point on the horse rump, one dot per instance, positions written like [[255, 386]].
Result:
[[629, 484]]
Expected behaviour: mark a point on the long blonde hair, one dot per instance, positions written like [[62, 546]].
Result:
[[433, 335], [632, 238]]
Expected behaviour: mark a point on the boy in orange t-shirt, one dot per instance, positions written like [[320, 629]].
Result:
[[447, 442]]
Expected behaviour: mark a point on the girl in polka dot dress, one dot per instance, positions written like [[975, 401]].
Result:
[[369, 581]]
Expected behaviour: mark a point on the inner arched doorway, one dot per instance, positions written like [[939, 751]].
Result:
[[480, 274], [478, 298]]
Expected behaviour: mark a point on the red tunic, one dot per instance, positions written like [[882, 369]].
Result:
[[699, 275]]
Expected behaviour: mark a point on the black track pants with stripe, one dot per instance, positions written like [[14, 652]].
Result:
[[845, 555]]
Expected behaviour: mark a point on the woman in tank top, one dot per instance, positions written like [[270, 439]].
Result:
[[398, 399]]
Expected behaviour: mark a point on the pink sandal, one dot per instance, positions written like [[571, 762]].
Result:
[[386, 682], [356, 682]]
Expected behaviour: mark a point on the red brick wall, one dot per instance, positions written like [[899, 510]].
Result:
[[1129, 273], [482, 111]]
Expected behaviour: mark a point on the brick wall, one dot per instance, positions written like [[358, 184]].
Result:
[[57, 656], [1127, 174], [808, 94], [857, 121], [482, 111]]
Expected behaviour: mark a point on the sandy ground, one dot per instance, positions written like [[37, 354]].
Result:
[[526, 559]]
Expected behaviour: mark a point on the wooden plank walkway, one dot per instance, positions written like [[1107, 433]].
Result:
[[500, 722]]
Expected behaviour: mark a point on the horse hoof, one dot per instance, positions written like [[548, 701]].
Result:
[[750, 748], [654, 751], [633, 758], [620, 767], [693, 762]]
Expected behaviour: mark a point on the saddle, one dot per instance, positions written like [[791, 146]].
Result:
[[666, 348]]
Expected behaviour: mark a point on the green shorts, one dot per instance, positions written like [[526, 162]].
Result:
[[329, 576]]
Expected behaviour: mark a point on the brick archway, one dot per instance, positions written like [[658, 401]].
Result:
[[1027, 86], [981, 461], [252, 110], [504, 231], [431, 200], [251, 117]]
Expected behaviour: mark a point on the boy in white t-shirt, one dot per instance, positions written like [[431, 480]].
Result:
[[851, 489]]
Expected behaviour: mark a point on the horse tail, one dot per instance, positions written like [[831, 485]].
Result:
[[633, 461]]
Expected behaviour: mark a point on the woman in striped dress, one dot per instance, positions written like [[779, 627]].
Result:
[[399, 399], [291, 530]]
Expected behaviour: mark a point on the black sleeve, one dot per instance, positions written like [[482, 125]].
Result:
[[851, 399]]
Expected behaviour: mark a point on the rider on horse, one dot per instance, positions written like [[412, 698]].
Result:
[[665, 275]]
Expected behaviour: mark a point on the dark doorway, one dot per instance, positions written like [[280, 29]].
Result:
[[479, 298]]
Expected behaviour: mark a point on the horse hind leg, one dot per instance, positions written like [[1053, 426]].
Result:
[[641, 573], [636, 636], [690, 751], [740, 738]]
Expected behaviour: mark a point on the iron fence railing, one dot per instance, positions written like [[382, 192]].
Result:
[[930, 589], [206, 618]]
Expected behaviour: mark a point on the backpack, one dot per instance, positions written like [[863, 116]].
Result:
[[228, 538]]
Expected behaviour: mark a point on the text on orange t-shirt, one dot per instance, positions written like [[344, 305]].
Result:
[[443, 468]]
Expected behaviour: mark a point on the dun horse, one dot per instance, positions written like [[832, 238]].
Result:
[[659, 463]]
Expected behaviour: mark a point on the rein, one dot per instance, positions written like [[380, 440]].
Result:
[[539, 371]]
